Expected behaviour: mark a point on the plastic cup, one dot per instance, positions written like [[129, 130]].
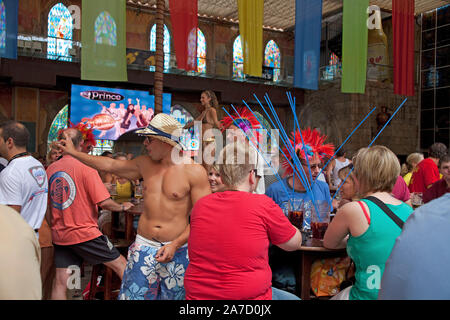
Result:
[[295, 212], [320, 218]]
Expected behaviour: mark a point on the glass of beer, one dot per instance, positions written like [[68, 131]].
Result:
[[320, 218], [138, 192], [295, 212]]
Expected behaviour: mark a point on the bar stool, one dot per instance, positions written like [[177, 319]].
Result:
[[111, 281]]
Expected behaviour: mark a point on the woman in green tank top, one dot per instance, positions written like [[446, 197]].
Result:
[[364, 228]]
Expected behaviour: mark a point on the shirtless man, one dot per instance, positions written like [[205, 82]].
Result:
[[158, 258]]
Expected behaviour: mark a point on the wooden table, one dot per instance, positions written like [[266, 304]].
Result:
[[137, 210], [311, 250]]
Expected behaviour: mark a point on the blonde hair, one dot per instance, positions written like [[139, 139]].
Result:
[[343, 172], [47, 157], [413, 158], [212, 96], [234, 164], [377, 169]]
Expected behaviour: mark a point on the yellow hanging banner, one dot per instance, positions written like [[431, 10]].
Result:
[[251, 14]]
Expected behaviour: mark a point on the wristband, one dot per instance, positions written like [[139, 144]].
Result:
[[123, 207]]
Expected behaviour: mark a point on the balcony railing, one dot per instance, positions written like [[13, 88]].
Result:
[[37, 47]]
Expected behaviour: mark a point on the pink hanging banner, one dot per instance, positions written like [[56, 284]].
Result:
[[403, 25], [183, 14]]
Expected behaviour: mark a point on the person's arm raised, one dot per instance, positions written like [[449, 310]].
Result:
[[128, 169]]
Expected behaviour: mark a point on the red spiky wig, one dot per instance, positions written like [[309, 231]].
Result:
[[315, 147], [87, 133], [245, 120]]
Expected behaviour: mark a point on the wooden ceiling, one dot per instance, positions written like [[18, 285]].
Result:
[[280, 14]]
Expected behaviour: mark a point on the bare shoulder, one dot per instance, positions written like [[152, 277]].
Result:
[[349, 209], [195, 170]]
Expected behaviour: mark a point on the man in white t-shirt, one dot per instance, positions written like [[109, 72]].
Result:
[[23, 183]]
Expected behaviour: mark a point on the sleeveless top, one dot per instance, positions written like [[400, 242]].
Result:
[[124, 190], [338, 166], [371, 250]]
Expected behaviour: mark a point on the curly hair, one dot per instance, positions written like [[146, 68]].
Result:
[[212, 96], [437, 150]]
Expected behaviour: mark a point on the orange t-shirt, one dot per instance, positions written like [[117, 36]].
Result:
[[74, 191]]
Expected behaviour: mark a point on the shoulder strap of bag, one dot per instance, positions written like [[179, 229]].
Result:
[[386, 210]]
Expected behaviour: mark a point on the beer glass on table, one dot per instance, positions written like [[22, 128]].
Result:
[[320, 218], [295, 212]]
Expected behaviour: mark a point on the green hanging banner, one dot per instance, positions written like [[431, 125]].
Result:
[[103, 40], [354, 46]]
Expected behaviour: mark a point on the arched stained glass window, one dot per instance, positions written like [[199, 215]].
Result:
[[166, 45], [272, 58], [238, 58], [105, 29], [2, 25], [201, 52], [60, 122], [60, 33]]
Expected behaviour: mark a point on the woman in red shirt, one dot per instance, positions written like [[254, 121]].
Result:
[[230, 236]]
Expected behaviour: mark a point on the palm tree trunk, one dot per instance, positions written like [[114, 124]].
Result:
[[159, 61]]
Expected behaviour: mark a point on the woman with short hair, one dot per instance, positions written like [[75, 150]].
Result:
[[411, 163], [363, 227], [230, 236]]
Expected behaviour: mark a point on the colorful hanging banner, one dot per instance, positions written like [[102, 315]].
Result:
[[403, 25], [184, 25], [103, 39], [9, 12], [308, 33], [354, 46], [251, 14]]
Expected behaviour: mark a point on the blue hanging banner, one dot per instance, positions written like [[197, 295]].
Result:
[[308, 33], [9, 12]]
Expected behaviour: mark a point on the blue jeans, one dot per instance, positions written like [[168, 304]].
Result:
[[278, 294]]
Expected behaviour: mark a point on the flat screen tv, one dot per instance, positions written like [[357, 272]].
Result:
[[112, 112]]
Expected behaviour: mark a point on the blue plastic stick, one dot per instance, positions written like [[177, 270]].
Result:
[[373, 140], [345, 141], [283, 137], [278, 177], [279, 148]]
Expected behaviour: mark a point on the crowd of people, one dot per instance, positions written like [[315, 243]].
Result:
[[219, 230]]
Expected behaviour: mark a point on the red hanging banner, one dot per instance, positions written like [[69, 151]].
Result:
[[183, 14], [403, 25]]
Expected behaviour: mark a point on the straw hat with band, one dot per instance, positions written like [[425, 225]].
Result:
[[164, 127]]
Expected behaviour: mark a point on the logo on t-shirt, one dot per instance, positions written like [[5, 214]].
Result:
[[62, 190], [38, 174]]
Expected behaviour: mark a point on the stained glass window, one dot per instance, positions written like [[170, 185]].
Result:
[[60, 122], [201, 52], [2, 25], [166, 45], [105, 29], [238, 58], [102, 146], [334, 69], [60, 32], [272, 58]]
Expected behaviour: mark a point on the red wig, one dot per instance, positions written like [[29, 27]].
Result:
[[315, 147], [88, 135]]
